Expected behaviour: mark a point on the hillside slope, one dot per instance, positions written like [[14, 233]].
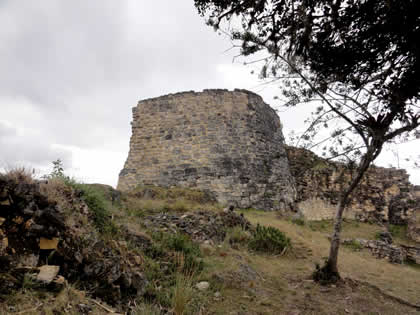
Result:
[[176, 251]]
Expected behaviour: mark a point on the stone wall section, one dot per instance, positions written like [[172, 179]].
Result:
[[385, 194], [227, 143]]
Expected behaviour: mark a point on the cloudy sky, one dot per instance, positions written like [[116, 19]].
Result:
[[72, 70]]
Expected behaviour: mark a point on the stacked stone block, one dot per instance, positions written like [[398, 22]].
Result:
[[228, 143]]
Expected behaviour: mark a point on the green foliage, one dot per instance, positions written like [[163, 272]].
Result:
[[354, 245], [182, 294], [58, 169], [319, 225], [398, 231], [298, 221], [269, 240], [180, 243], [152, 199], [237, 235], [98, 205]]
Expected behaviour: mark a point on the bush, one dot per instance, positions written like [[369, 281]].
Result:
[[298, 221], [269, 240], [181, 243], [238, 235], [354, 245], [98, 205]]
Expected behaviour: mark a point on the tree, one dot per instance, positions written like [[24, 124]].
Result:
[[359, 60]]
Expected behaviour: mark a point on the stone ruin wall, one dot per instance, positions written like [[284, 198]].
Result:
[[227, 143], [385, 194]]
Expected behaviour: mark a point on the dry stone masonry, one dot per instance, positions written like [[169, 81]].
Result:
[[384, 195], [229, 143]]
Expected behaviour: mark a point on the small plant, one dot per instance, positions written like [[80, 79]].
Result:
[[298, 221], [181, 243], [269, 240], [354, 245], [58, 169], [398, 231], [99, 207], [182, 293], [145, 308], [238, 235]]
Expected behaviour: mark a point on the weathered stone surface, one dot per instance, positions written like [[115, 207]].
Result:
[[413, 228], [202, 286], [201, 226], [384, 195], [226, 143], [393, 253], [47, 273]]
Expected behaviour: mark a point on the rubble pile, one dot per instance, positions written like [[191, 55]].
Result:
[[54, 241], [397, 254], [200, 225]]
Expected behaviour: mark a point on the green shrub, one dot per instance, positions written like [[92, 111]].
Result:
[[398, 231], [298, 221], [354, 245], [269, 240], [238, 235], [98, 205], [178, 242]]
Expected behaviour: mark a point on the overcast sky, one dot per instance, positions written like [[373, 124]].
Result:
[[70, 72]]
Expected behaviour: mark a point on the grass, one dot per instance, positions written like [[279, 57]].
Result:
[[68, 301], [153, 199], [182, 293], [354, 245], [356, 265], [99, 207], [238, 236], [247, 281]]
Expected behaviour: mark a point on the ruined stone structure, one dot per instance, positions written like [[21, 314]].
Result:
[[384, 195], [227, 143]]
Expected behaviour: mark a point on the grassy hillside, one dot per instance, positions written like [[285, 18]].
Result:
[[196, 259]]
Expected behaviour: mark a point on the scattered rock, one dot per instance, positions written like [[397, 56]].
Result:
[[47, 273], [385, 236], [202, 286]]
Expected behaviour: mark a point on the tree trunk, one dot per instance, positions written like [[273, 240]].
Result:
[[332, 263]]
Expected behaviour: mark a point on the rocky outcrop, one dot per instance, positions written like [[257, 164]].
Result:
[[227, 143]]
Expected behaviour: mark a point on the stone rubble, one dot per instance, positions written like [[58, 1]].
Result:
[[201, 226], [35, 229], [397, 254]]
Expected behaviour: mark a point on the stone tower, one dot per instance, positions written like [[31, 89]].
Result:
[[229, 144]]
